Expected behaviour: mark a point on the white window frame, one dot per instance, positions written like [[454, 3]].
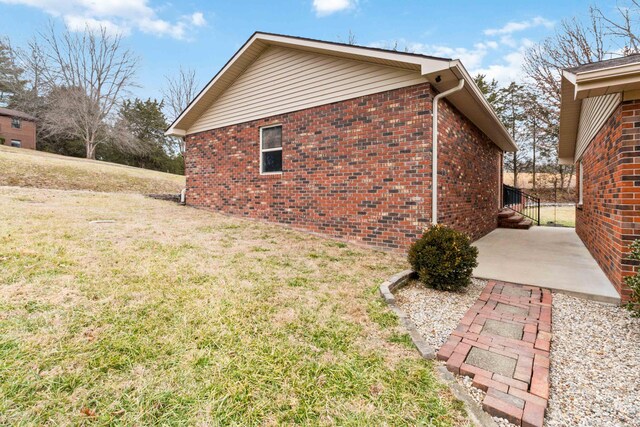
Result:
[[267, 150], [14, 121], [580, 184], [18, 141]]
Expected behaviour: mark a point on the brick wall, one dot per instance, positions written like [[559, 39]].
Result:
[[26, 134], [357, 169], [470, 171], [609, 219]]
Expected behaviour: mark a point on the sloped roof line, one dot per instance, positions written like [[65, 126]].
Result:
[[429, 66]]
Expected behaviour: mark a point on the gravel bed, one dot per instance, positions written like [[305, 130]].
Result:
[[595, 354], [595, 365], [436, 313]]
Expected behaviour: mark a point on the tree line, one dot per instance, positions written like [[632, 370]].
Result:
[[78, 85], [530, 109]]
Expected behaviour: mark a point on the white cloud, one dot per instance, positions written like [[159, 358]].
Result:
[[327, 7], [198, 20], [79, 23], [501, 61], [513, 27], [116, 16], [469, 57], [509, 69], [486, 45]]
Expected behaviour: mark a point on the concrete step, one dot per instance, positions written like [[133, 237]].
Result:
[[508, 218], [523, 224], [505, 213], [515, 218]]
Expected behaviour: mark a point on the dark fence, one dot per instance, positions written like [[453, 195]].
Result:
[[521, 202]]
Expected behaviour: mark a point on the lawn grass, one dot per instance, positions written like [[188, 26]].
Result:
[[176, 316], [560, 215], [30, 168]]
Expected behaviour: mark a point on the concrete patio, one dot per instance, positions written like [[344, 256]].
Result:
[[548, 257]]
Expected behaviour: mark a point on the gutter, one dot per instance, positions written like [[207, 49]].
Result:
[[434, 152]]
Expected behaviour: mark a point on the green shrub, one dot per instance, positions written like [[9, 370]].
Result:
[[634, 281], [443, 258]]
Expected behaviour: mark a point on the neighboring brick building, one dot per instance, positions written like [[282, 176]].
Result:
[[18, 129], [600, 134], [337, 139]]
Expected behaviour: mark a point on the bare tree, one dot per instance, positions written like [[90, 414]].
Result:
[[88, 75], [572, 45], [11, 75], [179, 90], [622, 28], [32, 96]]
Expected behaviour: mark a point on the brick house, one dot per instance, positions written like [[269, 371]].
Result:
[[337, 139], [17, 129], [600, 134]]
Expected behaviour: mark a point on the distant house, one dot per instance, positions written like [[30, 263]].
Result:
[[339, 139], [17, 129], [600, 134]]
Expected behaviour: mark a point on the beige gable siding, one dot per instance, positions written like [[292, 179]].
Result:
[[282, 80], [593, 114]]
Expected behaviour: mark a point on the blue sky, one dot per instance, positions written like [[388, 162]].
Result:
[[489, 37]]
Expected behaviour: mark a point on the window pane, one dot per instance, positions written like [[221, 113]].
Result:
[[15, 143], [272, 137], [272, 161]]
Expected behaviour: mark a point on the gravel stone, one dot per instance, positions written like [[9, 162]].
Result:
[[436, 313], [595, 354], [595, 365]]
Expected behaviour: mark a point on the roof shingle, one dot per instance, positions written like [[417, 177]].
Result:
[[608, 63], [16, 113]]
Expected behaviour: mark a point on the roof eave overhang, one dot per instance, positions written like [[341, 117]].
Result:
[[470, 101], [570, 107], [604, 81], [578, 86]]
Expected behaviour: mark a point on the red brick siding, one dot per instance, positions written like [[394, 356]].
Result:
[[26, 134], [469, 175], [357, 169], [609, 219]]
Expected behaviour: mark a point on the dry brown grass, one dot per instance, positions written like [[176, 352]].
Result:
[[175, 316], [543, 180], [29, 168]]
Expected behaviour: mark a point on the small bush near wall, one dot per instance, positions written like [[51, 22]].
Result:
[[444, 258], [634, 281]]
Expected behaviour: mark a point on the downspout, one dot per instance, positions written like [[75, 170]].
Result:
[[434, 152]]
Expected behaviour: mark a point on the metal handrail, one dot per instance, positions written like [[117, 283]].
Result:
[[521, 202]]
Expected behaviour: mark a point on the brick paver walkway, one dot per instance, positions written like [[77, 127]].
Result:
[[503, 343]]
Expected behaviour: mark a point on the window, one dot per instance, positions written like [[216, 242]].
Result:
[[15, 123], [580, 184], [271, 149], [16, 143]]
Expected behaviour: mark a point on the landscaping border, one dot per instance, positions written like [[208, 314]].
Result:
[[397, 281]]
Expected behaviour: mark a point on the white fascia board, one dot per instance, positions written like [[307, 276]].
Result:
[[173, 128]]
